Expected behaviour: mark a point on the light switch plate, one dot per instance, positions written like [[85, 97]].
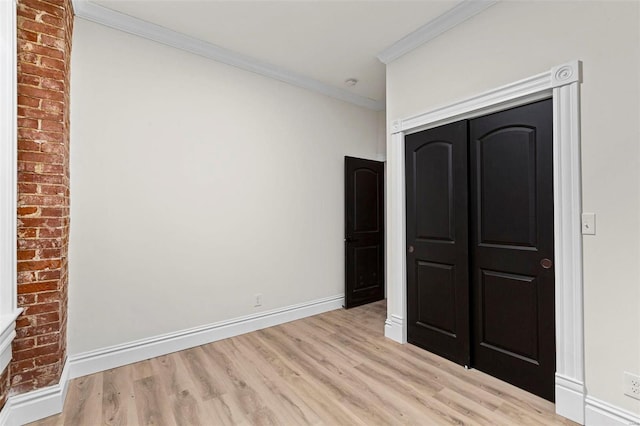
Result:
[[588, 224]]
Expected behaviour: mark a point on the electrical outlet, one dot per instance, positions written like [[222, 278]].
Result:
[[258, 300], [632, 385]]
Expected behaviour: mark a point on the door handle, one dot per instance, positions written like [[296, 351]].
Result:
[[546, 263], [411, 249], [350, 239]]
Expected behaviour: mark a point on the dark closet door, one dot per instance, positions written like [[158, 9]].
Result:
[[364, 231], [511, 175], [437, 241]]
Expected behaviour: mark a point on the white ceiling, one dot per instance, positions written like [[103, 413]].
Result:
[[326, 40]]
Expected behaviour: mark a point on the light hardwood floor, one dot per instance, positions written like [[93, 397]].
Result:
[[333, 369]]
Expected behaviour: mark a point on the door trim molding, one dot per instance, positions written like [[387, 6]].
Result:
[[562, 83]]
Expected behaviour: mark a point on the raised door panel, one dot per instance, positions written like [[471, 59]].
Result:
[[506, 181], [511, 166], [433, 164], [366, 200], [436, 297], [437, 241]]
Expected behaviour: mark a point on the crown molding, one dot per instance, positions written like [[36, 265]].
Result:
[[432, 29], [120, 21]]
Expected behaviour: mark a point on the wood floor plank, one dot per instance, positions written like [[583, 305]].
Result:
[[84, 400], [151, 403], [335, 368], [118, 398]]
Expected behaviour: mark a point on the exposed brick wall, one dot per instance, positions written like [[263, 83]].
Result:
[[44, 50]]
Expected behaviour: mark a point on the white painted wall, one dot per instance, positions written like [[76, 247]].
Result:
[[197, 185], [514, 40]]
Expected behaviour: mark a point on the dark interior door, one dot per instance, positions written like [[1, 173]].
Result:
[[511, 175], [437, 241], [364, 231]]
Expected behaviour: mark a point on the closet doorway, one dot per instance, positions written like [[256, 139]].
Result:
[[480, 273]]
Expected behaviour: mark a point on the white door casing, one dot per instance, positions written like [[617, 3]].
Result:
[[562, 83]]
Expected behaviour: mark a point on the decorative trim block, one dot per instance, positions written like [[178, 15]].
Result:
[[570, 398], [120, 21], [432, 29], [395, 329], [35, 405]]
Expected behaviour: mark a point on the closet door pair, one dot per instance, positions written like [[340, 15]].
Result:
[[480, 274]]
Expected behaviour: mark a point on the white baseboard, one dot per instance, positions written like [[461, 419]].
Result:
[[570, 398], [31, 406], [128, 353], [600, 413], [394, 329]]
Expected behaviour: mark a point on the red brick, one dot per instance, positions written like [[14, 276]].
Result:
[[55, 64], [52, 126], [35, 265], [23, 344], [37, 113], [27, 35], [41, 72], [39, 135], [42, 308], [50, 253], [25, 145], [53, 42], [26, 299], [29, 123], [42, 51], [37, 330], [37, 287], [54, 148], [48, 359], [39, 27], [28, 58], [26, 254], [37, 351], [50, 233], [49, 275], [36, 92], [39, 178], [37, 222], [26, 277], [27, 233], [52, 189], [27, 188], [53, 9], [48, 318], [47, 297], [52, 20], [46, 340], [38, 244], [28, 364], [54, 169], [30, 80], [27, 101], [26, 211], [40, 200]]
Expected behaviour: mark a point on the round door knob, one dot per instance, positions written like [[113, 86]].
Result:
[[546, 263], [411, 249]]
